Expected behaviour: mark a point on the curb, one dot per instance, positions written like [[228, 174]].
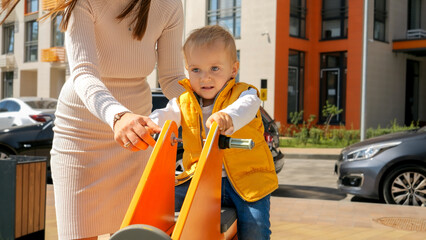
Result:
[[332, 157]]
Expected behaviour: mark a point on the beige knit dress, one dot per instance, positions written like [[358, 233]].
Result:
[[94, 177]]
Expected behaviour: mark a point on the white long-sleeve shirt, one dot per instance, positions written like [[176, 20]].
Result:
[[242, 111]]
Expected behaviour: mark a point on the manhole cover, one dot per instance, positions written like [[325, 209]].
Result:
[[408, 224]]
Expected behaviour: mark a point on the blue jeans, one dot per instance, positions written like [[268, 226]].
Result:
[[253, 217]]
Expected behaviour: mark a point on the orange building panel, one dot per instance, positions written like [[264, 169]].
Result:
[[313, 47], [410, 45]]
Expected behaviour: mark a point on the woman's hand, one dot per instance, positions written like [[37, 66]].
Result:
[[224, 122], [133, 131]]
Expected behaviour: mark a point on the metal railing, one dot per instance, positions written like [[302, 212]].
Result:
[[7, 61], [416, 34]]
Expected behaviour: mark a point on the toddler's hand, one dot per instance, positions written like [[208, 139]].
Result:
[[224, 122]]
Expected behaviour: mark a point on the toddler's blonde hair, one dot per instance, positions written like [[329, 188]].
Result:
[[209, 35]]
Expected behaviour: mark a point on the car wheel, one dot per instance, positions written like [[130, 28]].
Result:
[[406, 186]]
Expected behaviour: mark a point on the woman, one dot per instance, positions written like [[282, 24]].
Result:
[[101, 116]]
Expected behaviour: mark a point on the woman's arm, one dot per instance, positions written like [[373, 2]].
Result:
[[83, 62], [169, 48]]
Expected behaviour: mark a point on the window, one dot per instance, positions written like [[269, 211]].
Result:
[[8, 38], [414, 14], [380, 15], [7, 84], [58, 36], [298, 18], [31, 6], [296, 70], [333, 84], [226, 13], [31, 41], [334, 19]]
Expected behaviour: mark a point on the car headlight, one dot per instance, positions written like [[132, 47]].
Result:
[[370, 151]]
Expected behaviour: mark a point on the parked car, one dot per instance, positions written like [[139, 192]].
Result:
[[391, 167], [271, 133], [25, 110], [30, 140]]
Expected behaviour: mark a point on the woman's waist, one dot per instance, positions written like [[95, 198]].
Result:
[[135, 94]]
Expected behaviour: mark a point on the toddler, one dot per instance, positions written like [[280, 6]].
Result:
[[248, 176]]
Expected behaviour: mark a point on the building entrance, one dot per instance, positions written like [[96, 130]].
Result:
[[412, 92]]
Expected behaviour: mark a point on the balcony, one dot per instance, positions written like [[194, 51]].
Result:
[[416, 34], [54, 54], [7, 61], [414, 44], [49, 4]]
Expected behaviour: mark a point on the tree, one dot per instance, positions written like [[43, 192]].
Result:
[[329, 111]]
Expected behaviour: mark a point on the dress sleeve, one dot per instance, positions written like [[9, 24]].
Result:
[[170, 58], [244, 109], [83, 62]]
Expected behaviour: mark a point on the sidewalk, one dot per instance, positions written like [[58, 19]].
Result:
[[312, 153], [295, 218]]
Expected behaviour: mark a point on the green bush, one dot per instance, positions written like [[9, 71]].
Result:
[[309, 135], [306, 134]]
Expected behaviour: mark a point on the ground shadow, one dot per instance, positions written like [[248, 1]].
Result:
[[309, 192], [366, 200]]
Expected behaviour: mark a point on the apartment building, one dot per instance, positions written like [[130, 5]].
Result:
[[319, 56], [32, 61], [304, 52]]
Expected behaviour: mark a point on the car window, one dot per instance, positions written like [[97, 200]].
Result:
[[3, 106], [12, 106], [42, 104], [159, 101]]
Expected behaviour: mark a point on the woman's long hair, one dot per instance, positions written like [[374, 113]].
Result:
[[138, 8], [7, 7]]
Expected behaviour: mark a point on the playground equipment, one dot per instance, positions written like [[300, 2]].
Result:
[[151, 212]]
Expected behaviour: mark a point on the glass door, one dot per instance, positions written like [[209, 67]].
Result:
[[7, 84], [412, 92], [330, 88], [292, 90]]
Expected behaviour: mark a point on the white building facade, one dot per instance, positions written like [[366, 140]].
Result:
[[32, 60]]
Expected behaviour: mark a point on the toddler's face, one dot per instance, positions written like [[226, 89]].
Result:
[[209, 68]]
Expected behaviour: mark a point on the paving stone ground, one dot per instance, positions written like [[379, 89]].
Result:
[[308, 205]]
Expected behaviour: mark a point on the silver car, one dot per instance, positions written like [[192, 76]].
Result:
[[391, 167]]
